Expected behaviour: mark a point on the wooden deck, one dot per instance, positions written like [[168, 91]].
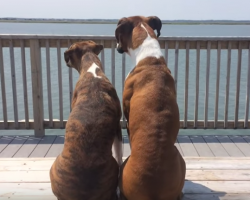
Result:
[[194, 146], [206, 178], [218, 167]]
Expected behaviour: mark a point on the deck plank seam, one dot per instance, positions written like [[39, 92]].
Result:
[[231, 143], [206, 145], [35, 146], [245, 139], [21, 145], [180, 147], [7, 144], [190, 142], [194, 146], [237, 146], [51, 146], [221, 145]]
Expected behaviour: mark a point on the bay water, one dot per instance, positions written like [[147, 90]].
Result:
[[108, 29]]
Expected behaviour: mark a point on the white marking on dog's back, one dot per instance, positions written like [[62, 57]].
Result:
[[149, 48], [92, 69]]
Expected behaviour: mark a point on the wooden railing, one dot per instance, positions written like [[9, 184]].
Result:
[[205, 69]]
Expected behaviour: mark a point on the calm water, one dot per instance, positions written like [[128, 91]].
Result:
[[167, 30]]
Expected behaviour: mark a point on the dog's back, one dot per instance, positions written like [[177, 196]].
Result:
[[155, 167], [86, 168]]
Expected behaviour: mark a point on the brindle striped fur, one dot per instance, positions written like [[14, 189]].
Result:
[[86, 169]]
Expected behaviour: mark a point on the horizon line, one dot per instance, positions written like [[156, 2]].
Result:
[[27, 18]]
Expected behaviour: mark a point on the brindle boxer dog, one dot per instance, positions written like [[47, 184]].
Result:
[[86, 169], [155, 169]]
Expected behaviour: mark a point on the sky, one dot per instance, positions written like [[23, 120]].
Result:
[[115, 9]]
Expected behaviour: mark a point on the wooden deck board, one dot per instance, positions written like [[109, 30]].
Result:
[[4, 142], [187, 146], [27, 147], [208, 187], [218, 164], [30, 197], [190, 187], [179, 148], [246, 138], [229, 146], [201, 146], [219, 196], [241, 144], [56, 147], [43, 146], [208, 146], [218, 175], [207, 178], [215, 146], [199, 163], [42, 176], [13, 146]]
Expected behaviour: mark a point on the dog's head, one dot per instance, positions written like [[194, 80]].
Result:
[[130, 33], [74, 54]]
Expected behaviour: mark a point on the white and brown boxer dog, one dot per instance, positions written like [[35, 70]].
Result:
[[86, 169], [155, 169]]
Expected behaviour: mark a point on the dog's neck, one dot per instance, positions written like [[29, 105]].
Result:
[[89, 63], [149, 48]]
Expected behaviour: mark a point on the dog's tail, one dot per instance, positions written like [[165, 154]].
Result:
[[118, 147]]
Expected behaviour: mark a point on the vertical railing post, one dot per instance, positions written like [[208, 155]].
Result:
[[123, 83], [70, 82], [237, 95], [197, 84], [186, 87], [60, 82], [3, 90], [13, 80], [103, 57], [216, 107], [207, 84], [113, 63], [37, 90], [166, 53], [227, 84], [176, 64], [247, 91]]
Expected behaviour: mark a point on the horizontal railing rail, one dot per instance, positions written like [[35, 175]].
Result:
[[212, 76], [109, 39]]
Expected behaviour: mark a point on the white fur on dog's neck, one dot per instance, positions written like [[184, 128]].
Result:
[[92, 69], [149, 48]]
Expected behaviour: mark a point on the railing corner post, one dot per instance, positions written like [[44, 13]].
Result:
[[37, 88]]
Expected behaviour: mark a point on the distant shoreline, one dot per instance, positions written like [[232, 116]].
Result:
[[114, 21]]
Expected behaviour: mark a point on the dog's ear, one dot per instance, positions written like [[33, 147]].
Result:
[[155, 23], [122, 34], [68, 56], [97, 49]]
